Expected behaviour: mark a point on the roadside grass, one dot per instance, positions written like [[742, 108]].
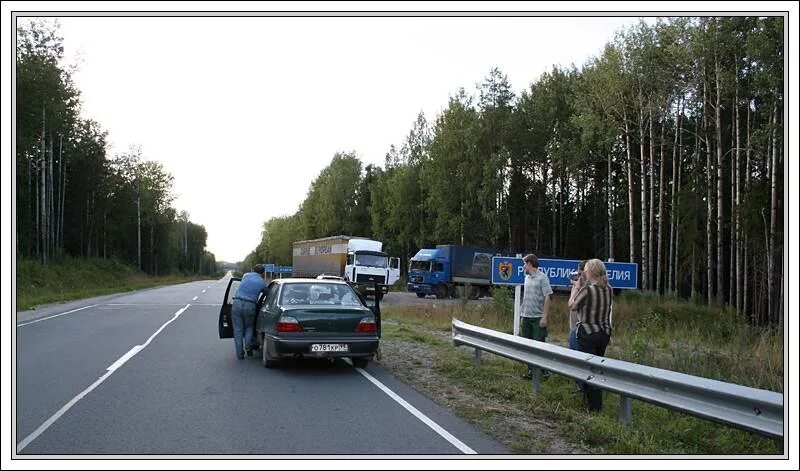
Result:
[[69, 278], [664, 333]]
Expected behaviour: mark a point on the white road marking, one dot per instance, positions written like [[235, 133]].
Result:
[[114, 366], [422, 417], [50, 317], [194, 298], [204, 291]]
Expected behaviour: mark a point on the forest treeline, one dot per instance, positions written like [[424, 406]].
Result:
[[666, 150], [72, 198]]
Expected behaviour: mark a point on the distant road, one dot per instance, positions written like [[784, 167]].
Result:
[[145, 373]]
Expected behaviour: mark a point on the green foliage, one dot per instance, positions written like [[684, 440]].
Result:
[[70, 278], [72, 201]]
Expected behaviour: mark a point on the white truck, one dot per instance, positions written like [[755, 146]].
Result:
[[355, 259]]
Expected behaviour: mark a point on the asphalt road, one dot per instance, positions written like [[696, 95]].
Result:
[[145, 373]]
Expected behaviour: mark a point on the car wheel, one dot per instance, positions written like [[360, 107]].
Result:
[[420, 295], [360, 362], [266, 359]]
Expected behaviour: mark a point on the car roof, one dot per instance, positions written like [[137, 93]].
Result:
[[309, 280]]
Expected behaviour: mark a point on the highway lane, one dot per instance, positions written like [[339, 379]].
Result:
[[184, 392]]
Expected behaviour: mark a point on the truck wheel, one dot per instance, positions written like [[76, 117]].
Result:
[[266, 359], [474, 292], [441, 292], [420, 295]]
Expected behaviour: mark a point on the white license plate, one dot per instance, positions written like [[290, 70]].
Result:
[[329, 347]]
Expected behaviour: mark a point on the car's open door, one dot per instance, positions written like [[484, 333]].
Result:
[[225, 323]]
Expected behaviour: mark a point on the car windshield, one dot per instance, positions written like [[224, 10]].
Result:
[[319, 294], [419, 265], [371, 260]]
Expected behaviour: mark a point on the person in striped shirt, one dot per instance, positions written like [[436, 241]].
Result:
[[592, 297]]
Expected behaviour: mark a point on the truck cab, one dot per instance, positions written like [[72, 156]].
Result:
[[428, 273], [367, 263]]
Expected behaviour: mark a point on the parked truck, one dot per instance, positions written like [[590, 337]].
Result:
[[355, 259], [452, 271]]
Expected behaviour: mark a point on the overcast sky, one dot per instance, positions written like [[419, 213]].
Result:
[[246, 112]]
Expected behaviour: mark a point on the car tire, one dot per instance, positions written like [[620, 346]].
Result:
[[360, 362], [420, 295], [266, 359]]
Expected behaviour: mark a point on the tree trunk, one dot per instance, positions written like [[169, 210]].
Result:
[[631, 239], [673, 222], [710, 204], [720, 207], [651, 205], [138, 226], [41, 210], [771, 315], [50, 202], [660, 241], [553, 216], [153, 266], [745, 274], [610, 211], [643, 192], [732, 260], [63, 200]]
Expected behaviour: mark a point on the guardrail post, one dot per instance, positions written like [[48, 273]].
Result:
[[478, 352], [625, 410], [536, 379]]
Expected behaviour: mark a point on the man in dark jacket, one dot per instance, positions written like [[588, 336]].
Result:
[[243, 311]]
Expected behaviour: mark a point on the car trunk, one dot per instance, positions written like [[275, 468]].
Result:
[[328, 320]]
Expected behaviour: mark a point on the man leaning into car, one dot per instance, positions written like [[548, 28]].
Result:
[[243, 311]]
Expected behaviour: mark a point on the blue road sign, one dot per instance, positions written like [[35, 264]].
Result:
[[511, 271], [282, 269], [623, 275], [269, 267], [508, 271]]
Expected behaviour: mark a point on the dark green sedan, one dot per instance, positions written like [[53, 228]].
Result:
[[315, 319]]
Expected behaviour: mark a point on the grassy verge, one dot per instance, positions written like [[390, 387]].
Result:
[[663, 333], [73, 278]]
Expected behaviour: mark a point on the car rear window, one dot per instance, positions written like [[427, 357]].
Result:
[[319, 294]]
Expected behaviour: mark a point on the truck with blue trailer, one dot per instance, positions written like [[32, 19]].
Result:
[[452, 271]]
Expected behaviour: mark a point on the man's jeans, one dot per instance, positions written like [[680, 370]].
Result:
[[243, 316]]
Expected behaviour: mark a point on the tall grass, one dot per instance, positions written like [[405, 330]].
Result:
[[660, 332], [70, 278], [664, 333]]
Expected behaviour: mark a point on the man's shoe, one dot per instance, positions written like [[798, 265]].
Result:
[[249, 351], [240, 356]]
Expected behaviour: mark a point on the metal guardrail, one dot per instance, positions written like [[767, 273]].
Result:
[[748, 408]]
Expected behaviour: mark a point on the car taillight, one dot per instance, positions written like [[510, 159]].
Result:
[[367, 326], [288, 324]]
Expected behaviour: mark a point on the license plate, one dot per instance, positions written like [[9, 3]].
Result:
[[329, 347]]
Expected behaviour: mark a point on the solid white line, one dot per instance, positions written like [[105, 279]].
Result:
[[50, 317], [133, 351], [422, 417], [47, 423], [114, 366]]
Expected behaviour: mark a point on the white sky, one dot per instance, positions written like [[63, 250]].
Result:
[[246, 112]]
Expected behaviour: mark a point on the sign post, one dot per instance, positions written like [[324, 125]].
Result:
[[510, 271]]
